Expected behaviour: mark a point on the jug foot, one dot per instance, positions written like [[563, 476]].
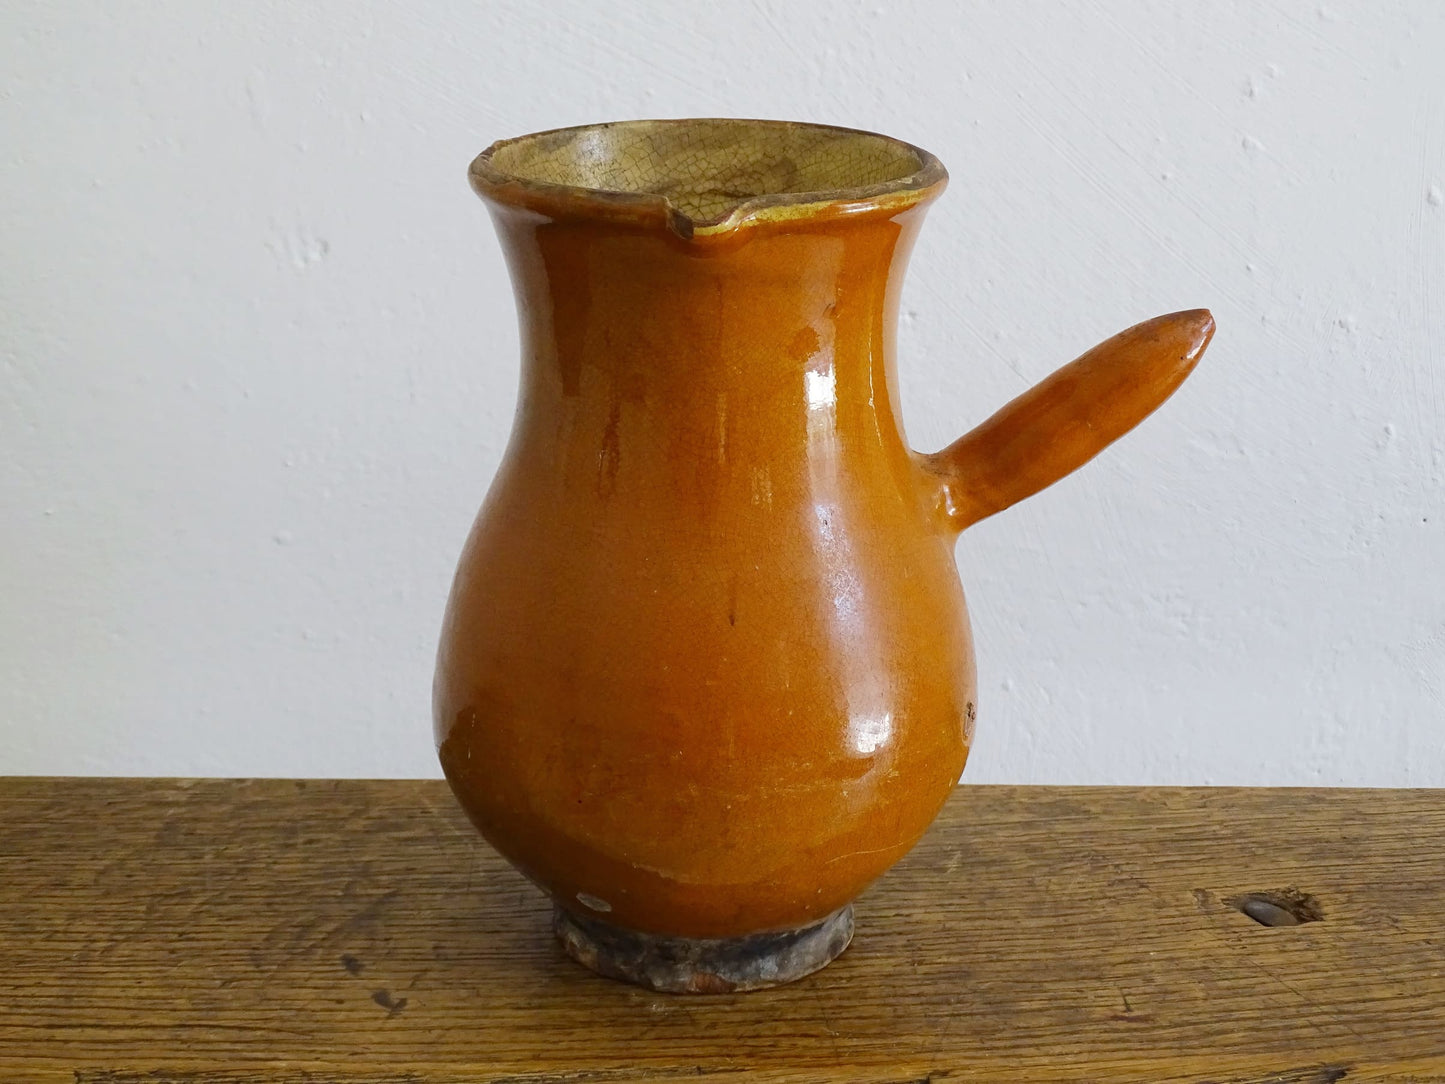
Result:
[[703, 965]]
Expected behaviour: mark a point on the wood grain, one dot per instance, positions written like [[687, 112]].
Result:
[[261, 932]]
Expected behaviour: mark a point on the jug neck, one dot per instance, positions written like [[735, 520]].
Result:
[[797, 316]]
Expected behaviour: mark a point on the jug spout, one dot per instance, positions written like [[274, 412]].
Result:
[[1064, 421]]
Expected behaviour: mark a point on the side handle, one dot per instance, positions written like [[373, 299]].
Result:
[[1063, 422]]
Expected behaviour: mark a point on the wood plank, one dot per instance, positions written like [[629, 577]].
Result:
[[260, 932]]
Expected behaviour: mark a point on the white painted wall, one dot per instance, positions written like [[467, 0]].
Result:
[[258, 358]]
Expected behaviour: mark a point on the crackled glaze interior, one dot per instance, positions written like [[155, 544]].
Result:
[[708, 168]]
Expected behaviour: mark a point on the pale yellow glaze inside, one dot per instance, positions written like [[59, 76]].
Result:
[[707, 169]]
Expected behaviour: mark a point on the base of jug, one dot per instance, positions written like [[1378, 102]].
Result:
[[703, 965]]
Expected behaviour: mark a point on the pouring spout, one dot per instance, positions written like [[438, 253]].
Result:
[[1063, 422]]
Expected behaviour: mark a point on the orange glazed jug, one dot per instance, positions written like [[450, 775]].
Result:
[[706, 669]]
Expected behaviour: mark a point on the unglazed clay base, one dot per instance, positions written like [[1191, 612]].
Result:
[[703, 965]]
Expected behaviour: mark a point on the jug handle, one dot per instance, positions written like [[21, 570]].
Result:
[[1062, 422]]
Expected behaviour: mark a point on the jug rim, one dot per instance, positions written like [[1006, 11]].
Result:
[[706, 176]]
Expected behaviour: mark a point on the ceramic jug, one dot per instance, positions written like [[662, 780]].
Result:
[[706, 670]]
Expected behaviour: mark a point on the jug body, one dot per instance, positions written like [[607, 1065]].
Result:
[[707, 664]]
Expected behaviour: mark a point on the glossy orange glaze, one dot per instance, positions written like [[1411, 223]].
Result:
[[706, 669]]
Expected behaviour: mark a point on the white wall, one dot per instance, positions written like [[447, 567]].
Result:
[[258, 358]]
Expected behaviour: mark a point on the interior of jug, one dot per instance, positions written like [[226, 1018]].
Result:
[[707, 169]]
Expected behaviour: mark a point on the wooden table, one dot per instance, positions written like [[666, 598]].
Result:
[[241, 932]]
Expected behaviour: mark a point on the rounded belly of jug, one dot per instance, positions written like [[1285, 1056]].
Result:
[[690, 731]]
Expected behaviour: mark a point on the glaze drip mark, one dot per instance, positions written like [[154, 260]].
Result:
[[762, 488], [609, 458]]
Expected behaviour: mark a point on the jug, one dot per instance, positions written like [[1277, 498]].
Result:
[[706, 670]]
